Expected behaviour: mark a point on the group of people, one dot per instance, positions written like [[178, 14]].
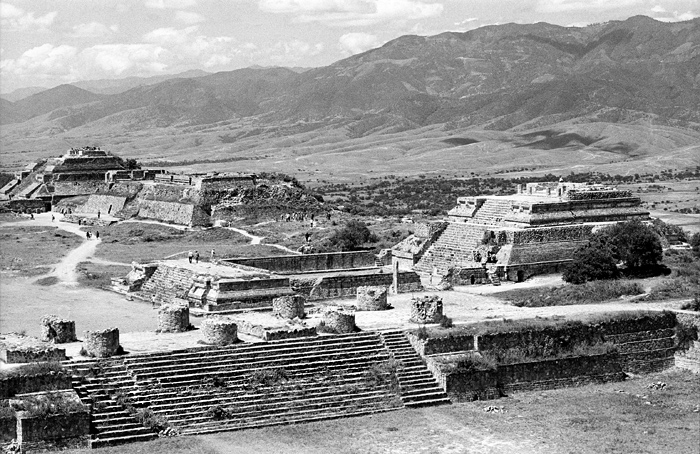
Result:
[[193, 257], [88, 235]]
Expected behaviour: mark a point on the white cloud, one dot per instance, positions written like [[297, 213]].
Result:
[[14, 18], [675, 16], [93, 30], [170, 4], [292, 51], [658, 9], [560, 6], [466, 21], [188, 17], [170, 35], [47, 60], [353, 13], [355, 43]]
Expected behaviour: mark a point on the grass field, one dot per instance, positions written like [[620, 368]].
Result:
[[28, 251], [624, 417]]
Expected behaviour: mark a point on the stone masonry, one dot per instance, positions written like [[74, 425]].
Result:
[[291, 306], [426, 309], [372, 298], [173, 318], [102, 344], [339, 320], [219, 331], [57, 330]]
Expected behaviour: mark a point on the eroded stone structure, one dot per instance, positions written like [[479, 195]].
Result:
[[102, 344], [219, 331], [339, 320], [57, 330], [290, 307], [534, 231], [426, 309], [372, 298], [173, 318]]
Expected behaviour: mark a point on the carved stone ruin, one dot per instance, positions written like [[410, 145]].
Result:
[[339, 320], [426, 309], [372, 298], [291, 306], [102, 344], [57, 330], [173, 318], [219, 331]]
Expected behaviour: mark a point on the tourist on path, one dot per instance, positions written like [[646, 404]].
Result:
[[87, 234], [196, 256], [98, 214], [52, 218], [212, 255], [189, 256], [97, 234], [31, 216]]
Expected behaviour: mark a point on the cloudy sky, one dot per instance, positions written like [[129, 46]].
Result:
[[50, 42]]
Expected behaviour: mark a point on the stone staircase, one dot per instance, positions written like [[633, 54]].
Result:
[[111, 423], [26, 191], [417, 385], [455, 246], [168, 283], [492, 212]]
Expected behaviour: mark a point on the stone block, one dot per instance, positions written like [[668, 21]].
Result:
[[219, 331], [426, 309], [57, 330], [173, 318], [372, 298], [339, 320], [102, 344], [291, 306]]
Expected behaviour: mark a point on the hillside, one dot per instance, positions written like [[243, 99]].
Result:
[[539, 94]]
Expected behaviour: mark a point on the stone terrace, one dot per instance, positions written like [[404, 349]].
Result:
[[214, 389]]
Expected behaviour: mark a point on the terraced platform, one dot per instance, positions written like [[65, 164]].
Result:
[[209, 389]]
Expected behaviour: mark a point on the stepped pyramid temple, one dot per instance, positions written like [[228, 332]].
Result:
[[535, 231]]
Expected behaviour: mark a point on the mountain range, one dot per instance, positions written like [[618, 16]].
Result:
[[518, 79]]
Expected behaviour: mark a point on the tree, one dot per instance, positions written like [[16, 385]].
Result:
[[637, 244], [352, 236], [595, 260], [695, 243]]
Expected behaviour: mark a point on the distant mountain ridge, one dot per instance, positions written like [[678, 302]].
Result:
[[496, 77]]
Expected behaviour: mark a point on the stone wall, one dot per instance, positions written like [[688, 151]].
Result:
[[429, 229], [438, 345], [292, 264], [275, 333], [426, 309], [168, 283], [372, 298], [550, 234], [219, 331], [16, 355], [57, 330], [19, 384], [53, 427], [291, 306], [339, 320], [102, 344], [178, 213], [173, 318], [105, 204], [8, 430]]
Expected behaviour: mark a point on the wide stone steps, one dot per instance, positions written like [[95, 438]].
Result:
[[454, 246], [417, 385], [176, 364]]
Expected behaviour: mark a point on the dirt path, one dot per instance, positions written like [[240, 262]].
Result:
[[254, 239]]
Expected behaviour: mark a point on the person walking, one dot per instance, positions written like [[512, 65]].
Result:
[[97, 234], [196, 256], [98, 214], [212, 255], [189, 256], [52, 218], [87, 234]]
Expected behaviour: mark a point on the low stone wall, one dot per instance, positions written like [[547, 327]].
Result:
[[339, 320], [57, 330], [291, 306], [291, 264], [20, 384], [345, 285], [687, 354], [426, 309], [53, 427], [372, 298], [437, 345], [105, 204], [218, 331], [275, 333], [11, 355], [173, 318], [102, 344]]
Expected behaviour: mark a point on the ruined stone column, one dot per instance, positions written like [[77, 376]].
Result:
[[372, 298], [58, 330], [426, 309], [102, 344], [339, 320], [173, 318], [289, 306], [219, 331]]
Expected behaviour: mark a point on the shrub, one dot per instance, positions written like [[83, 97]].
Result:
[[50, 403], [149, 419], [588, 293], [6, 410], [693, 305], [422, 333], [593, 261], [44, 368], [268, 377]]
